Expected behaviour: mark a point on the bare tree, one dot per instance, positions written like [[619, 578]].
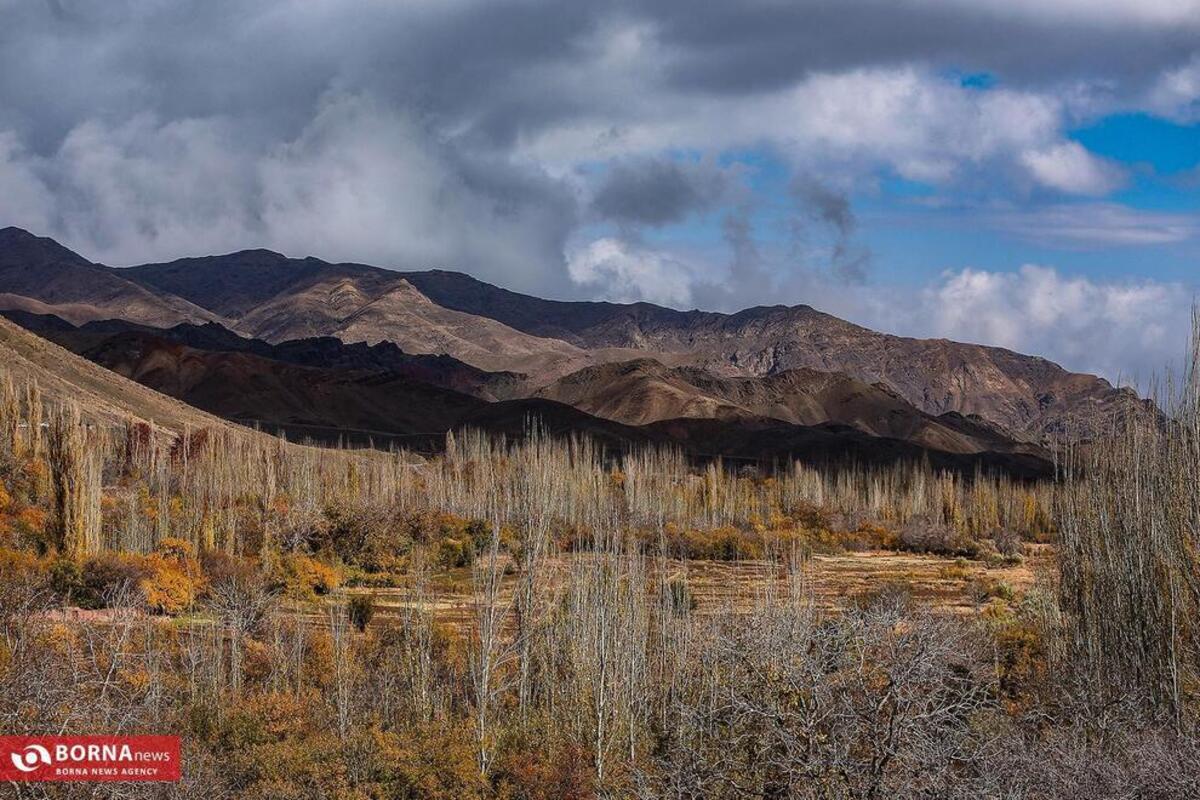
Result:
[[489, 653], [240, 601], [340, 638]]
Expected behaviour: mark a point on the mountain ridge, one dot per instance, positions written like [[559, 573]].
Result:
[[265, 295]]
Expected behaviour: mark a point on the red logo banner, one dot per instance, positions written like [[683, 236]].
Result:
[[90, 758]]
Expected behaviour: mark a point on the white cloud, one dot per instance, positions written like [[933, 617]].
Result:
[[359, 182], [1068, 167], [133, 192], [1176, 94], [1095, 225], [369, 183], [623, 272], [147, 189], [1122, 330], [1129, 330], [24, 199], [925, 126]]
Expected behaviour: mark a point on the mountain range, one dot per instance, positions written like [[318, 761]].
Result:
[[334, 350]]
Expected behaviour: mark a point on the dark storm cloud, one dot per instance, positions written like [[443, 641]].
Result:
[[818, 203], [489, 68], [412, 133], [657, 192], [762, 45], [825, 204]]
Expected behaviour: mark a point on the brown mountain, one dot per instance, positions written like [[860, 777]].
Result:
[[267, 296], [1025, 394], [644, 391], [327, 404], [102, 394], [41, 276], [358, 311], [305, 401], [326, 351], [271, 297]]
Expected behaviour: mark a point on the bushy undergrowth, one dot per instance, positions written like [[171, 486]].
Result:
[[213, 573], [629, 693]]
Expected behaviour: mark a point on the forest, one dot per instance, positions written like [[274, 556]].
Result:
[[526, 617]]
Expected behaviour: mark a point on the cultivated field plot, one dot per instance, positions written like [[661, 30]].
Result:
[[831, 581]]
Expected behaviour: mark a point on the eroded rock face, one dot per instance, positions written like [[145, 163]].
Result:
[[271, 297], [1026, 394]]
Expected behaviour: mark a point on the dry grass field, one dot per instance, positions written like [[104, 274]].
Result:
[[833, 582]]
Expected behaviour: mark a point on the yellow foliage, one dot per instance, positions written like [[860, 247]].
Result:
[[17, 567], [433, 760], [306, 578], [177, 549], [31, 520], [168, 586]]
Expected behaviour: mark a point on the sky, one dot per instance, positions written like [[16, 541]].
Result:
[[1011, 172]]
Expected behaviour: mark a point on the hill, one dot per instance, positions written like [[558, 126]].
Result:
[[41, 276], [256, 335], [644, 391], [101, 394], [1025, 394], [268, 296]]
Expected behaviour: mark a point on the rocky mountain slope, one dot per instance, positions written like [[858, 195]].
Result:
[[630, 364], [304, 401], [102, 394], [644, 391], [42, 276], [325, 352], [1025, 394], [263, 385], [277, 299]]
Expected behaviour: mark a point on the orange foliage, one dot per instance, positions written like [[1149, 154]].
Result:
[[305, 578], [173, 577], [17, 566], [167, 585], [31, 520], [169, 580], [533, 773]]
